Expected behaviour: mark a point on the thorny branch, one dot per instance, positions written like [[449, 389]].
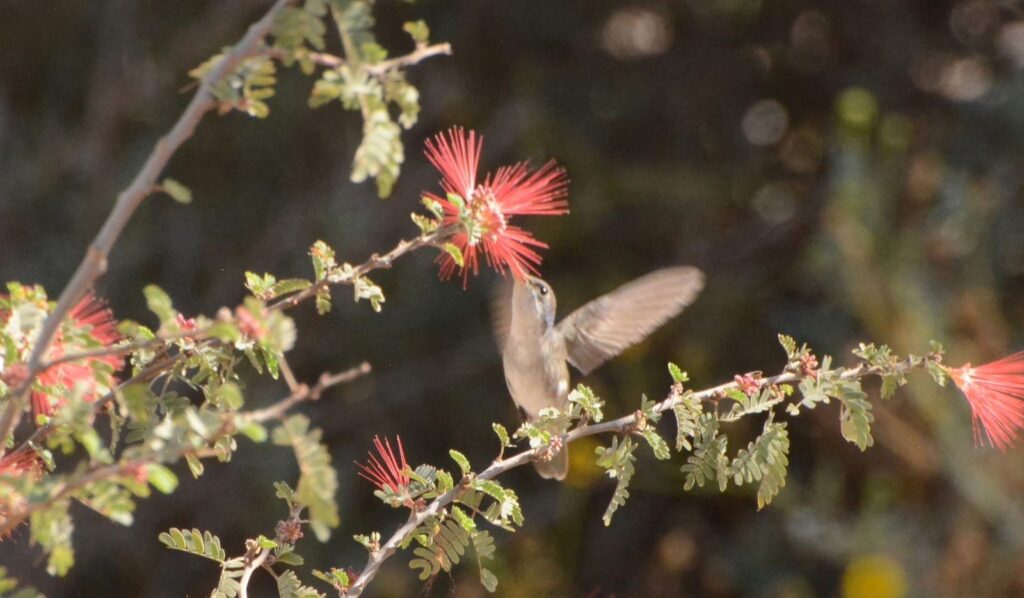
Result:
[[623, 425], [161, 366], [94, 264], [252, 565], [299, 394]]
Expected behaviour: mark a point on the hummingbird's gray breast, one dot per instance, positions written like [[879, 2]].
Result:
[[537, 373]]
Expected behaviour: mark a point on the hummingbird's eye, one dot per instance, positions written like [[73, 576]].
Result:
[[543, 289]]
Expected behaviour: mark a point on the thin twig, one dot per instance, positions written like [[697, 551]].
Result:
[[251, 566], [94, 264], [623, 425], [313, 393], [289, 376], [122, 348], [374, 262], [418, 55]]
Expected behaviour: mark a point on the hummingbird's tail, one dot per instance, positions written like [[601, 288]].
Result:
[[556, 468]]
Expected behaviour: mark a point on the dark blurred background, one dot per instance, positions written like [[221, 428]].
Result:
[[843, 170]]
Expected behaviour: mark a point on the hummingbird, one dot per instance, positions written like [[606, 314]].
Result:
[[536, 352]]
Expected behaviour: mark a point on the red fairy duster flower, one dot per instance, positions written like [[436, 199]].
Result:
[[22, 463], [89, 325], [480, 211], [995, 392], [17, 464], [388, 470]]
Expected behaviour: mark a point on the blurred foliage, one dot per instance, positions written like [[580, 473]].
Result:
[[844, 171]]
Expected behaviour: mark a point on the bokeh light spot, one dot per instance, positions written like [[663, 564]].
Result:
[[765, 122], [632, 32]]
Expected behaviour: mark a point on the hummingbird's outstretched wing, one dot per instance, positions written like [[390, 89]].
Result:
[[501, 312], [609, 324]]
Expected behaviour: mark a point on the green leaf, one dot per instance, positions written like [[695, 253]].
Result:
[[789, 345], [765, 460], [365, 289], [227, 396], [290, 558], [855, 416], [159, 303], [178, 192], [418, 31], [462, 461], [194, 465], [245, 88], [502, 434], [456, 253], [259, 285], [113, 498], [617, 460], [937, 372], [285, 493], [194, 541], [323, 259], [444, 545], [589, 404], [323, 300], [658, 445], [289, 586], [401, 93], [763, 401], [253, 431], [289, 286], [426, 225], [337, 578], [318, 481], [488, 580], [483, 545], [161, 478], [678, 375], [434, 206], [444, 481], [51, 528], [688, 412], [708, 461], [370, 542], [295, 27], [380, 155], [464, 520]]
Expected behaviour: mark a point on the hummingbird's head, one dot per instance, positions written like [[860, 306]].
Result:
[[541, 299]]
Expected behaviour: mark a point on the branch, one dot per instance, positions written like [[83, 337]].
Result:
[[251, 565], [230, 423], [623, 425], [374, 262], [158, 368], [418, 55], [305, 393], [122, 348], [94, 264]]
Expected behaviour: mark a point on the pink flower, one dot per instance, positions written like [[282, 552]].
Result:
[[389, 470], [249, 325], [89, 325], [482, 211], [995, 392]]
